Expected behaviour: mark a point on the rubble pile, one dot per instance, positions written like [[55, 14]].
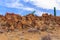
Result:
[[12, 21]]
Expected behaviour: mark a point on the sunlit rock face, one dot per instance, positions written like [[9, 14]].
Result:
[[13, 21], [29, 27]]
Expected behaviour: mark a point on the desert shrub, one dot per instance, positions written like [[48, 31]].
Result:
[[46, 38]]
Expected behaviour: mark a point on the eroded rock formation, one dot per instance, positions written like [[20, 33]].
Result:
[[12, 21]]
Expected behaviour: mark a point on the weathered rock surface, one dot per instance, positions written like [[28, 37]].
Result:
[[12, 21], [30, 26]]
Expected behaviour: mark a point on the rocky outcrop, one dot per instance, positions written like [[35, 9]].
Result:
[[12, 21]]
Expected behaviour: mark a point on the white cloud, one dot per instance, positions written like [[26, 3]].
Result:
[[28, 8], [13, 4], [46, 4], [26, 0], [58, 0], [39, 13], [16, 4]]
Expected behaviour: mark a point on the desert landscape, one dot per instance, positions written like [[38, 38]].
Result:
[[29, 27]]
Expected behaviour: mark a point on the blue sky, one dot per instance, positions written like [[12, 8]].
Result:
[[24, 7]]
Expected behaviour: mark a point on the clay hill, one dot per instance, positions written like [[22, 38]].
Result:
[[31, 23]]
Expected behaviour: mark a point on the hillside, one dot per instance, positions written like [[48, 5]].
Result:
[[30, 27]]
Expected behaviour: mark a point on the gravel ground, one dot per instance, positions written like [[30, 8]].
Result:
[[24, 35]]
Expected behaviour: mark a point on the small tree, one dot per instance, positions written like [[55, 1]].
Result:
[[54, 11], [33, 12]]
